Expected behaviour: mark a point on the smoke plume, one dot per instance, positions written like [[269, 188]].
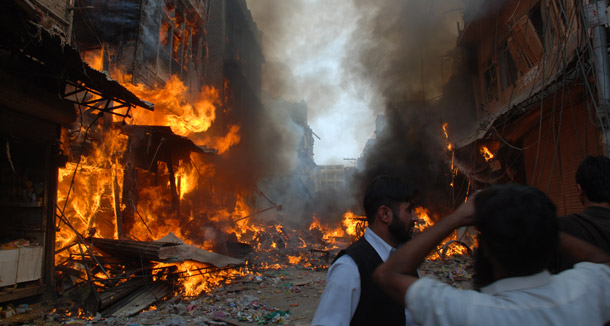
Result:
[[400, 58]]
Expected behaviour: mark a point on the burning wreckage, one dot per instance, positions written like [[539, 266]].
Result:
[[119, 212], [121, 205]]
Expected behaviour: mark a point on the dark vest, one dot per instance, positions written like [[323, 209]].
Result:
[[375, 307]]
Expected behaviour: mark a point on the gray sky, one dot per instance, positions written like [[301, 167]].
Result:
[[305, 44], [348, 59]]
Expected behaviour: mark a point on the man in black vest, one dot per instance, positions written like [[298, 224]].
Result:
[[351, 297], [592, 224]]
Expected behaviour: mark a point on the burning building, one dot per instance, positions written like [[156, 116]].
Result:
[[130, 202], [43, 77], [197, 61], [540, 93], [147, 198]]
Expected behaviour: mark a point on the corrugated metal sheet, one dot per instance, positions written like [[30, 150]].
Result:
[[566, 136]]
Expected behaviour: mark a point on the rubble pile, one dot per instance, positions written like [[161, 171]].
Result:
[[285, 296], [456, 270], [274, 297]]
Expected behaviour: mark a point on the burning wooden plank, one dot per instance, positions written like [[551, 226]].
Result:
[[167, 249], [145, 250], [182, 251]]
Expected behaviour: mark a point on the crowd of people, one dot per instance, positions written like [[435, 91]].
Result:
[[531, 267]]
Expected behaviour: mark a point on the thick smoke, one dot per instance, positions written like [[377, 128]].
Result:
[[404, 54], [107, 20], [410, 57]]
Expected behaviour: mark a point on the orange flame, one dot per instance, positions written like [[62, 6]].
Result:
[[449, 146], [487, 154], [197, 280], [294, 260], [95, 59], [97, 187], [354, 224], [454, 170], [224, 143], [172, 107], [425, 222]]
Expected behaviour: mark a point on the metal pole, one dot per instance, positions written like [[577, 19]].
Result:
[[602, 68]]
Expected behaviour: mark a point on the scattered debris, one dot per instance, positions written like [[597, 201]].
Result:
[[456, 270]]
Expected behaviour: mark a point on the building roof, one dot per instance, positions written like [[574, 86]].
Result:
[[47, 53]]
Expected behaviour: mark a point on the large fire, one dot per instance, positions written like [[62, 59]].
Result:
[[90, 187], [174, 195], [450, 246]]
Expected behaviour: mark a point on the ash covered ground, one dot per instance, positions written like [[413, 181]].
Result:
[[285, 296]]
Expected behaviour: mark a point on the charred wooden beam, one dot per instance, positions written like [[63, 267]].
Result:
[[113, 295], [139, 300], [146, 250]]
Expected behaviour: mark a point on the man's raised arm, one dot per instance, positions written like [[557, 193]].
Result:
[[393, 275]]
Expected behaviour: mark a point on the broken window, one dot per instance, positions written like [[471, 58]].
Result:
[[491, 81], [165, 35], [165, 45], [187, 54], [179, 38], [524, 45], [537, 21], [199, 48], [175, 39], [508, 69], [546, 19], [176, 52]]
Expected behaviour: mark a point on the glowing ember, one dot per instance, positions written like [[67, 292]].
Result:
[[454, 170], [294, 260], [449, 146], [486, 153]]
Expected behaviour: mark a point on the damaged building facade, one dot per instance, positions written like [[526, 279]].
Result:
[[82, 163], [43, 79], [201, 46], [539, 83]]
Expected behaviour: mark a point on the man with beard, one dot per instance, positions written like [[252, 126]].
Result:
[[351, 297], [518, 237]]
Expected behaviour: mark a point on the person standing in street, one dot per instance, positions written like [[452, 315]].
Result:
[[350, 296]]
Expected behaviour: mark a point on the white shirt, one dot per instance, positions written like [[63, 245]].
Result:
[[342, 291], [579, 296]]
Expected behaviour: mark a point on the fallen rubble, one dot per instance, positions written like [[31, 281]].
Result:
[[287, 296]]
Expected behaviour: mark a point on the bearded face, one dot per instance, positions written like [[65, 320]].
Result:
[[401, 231]]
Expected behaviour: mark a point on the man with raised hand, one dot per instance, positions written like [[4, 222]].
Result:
[[518, 237]]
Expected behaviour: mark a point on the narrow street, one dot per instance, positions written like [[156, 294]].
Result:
[[202, 162]]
